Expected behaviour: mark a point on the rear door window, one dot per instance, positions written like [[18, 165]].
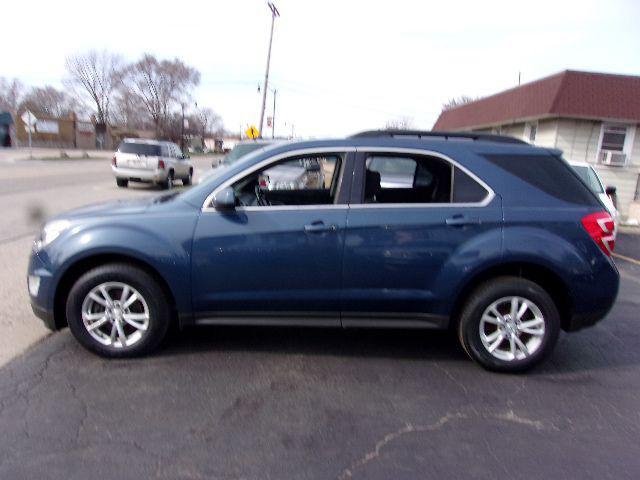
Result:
[[392, 178]]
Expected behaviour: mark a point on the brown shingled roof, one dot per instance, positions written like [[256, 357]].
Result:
[[565, 94]]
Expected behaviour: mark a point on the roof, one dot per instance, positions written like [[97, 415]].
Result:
[[426, 134], [569, 94]]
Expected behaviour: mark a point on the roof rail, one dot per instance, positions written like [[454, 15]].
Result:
[[488, 137]]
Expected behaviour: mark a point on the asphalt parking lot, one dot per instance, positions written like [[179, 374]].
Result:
[[250, 403]]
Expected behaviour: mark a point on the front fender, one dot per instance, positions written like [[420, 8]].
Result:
[[156, 245]]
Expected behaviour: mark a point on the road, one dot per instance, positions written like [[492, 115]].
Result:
[[31, 191], [249, 403]]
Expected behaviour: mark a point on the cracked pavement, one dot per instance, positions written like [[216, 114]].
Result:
[[251, 403], [293, 403]]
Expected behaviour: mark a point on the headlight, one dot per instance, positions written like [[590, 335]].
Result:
[[50, 232]]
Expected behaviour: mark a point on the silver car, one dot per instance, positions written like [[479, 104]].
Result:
[[151, 161]]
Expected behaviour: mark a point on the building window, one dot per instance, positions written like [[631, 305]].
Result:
[[615, 144], [530, 132]]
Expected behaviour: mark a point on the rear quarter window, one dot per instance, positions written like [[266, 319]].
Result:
[[547, 173]]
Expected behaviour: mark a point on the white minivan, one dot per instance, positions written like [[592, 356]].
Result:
[[150, 161]]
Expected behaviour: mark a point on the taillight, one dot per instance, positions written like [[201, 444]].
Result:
[[602, 228], [161, 164], [114, 162]]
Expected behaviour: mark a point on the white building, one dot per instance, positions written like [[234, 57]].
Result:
[[591, 117]]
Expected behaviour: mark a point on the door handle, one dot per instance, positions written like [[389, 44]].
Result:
[[461, 221], [319, 227]]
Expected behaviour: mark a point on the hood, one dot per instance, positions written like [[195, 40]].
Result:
[[119, 207]]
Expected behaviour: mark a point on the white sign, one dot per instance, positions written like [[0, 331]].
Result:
[[47, 126], [29, 118]]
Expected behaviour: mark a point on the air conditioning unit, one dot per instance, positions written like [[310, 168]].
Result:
[[613, 159]]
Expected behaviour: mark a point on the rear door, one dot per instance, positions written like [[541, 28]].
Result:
[[413, 227]]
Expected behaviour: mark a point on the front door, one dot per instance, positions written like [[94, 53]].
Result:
[[411, 227], [276, 258]]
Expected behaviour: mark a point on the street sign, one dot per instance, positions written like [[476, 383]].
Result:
[[29, 118], [269, 121], [252, 132]]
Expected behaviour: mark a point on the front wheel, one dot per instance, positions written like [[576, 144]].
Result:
[[117, 310], [509, 324], [188, 180]]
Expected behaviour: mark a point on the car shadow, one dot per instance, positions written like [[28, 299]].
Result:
[[400, 344], [580, 352]]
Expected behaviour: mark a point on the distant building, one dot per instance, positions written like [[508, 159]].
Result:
[[591, 117]]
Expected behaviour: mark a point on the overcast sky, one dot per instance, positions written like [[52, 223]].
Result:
[[339, 66]]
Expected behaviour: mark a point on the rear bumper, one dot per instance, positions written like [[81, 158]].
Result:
[[142, 175], [596, 299]]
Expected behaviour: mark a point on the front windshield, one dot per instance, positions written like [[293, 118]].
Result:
[[589, 177], [240, 151]]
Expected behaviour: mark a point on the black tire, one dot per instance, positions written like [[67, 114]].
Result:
[[122, 182], [187, 181], [491, 291], [168, 183], [145, 284]]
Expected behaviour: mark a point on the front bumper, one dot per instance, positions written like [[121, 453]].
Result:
[[142, 175], [40, 288]]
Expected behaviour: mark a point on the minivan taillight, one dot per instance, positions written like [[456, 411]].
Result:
[[114, 162], [161, 164], [602, 228]]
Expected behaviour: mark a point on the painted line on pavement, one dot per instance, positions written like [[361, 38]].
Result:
[[625, 258]]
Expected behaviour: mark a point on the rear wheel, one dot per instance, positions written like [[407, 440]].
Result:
[[509, 324], [122, 182], [118, 311], [168, 183]]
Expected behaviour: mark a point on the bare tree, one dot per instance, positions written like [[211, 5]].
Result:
[[161, 85], [128, 110], [50, 101], [457, 101], [11, 92], [207, 122], [400, 123], [95, 76]]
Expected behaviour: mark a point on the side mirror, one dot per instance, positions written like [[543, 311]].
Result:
[[225, 199], [610, 190]]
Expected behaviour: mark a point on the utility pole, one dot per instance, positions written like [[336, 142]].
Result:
[[274, 13], [182, 128], [273, 119]]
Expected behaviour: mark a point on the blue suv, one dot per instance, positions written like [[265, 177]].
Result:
[[489, 236]]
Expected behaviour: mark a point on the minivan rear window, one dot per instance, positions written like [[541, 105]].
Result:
[[548, 173], [140, 149]]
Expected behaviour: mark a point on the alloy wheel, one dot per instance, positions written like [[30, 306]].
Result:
[[512, 328], [115, 314]]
